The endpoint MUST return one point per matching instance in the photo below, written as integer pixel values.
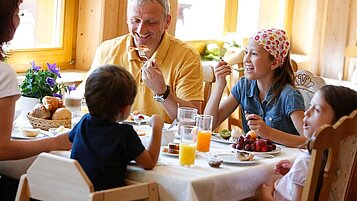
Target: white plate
(17, 135)
(168, 154)
(232, 159)
(20, 136)
(146, 119)
(276, 151)
(217, 138)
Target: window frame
(64, 56)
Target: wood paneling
(90, 31)
(100, 20)
(321, 30)
(335, 38)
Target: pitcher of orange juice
(187, 145)
(204, 127)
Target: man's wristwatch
(162, 97)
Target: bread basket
(45, 124)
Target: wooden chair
(335, 176)
(308, 84)
(56, 178)
(208, 80)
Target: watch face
(159, 98)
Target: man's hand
(153, 78)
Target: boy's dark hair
(343, 100)
(108, 89)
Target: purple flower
(53, 69)
(34, 67)
(50, 81)
(72, 87)
(57, 95)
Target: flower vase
(27, 104)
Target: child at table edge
(326, 108)
(272, 106)
(102, 146)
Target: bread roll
(39, 111)
(62, 114)
(30, 132)
(174, 146)
(244, 156)
(52, 103)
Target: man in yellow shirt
(170, 73)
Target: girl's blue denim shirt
(275, 113)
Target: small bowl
(214, 161)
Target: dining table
(233, 180)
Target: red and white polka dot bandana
(275, 41)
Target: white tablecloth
(201, 182)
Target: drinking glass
(204, 127)
(73, 103)
(187, 145)
(84, 107)
(186, 116)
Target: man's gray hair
(164, 3)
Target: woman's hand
(221, 71)
(282, 167)
(62, 142)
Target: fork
(143, 55)
(174, 123)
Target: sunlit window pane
(254, 15)
(200, 19)
(40, 25)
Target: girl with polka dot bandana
(270, 104)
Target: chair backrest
(208, 80)
(308, 84)
(56, 178)
(294, 65)
(333, 176)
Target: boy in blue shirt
(102, 146)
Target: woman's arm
(19, 149)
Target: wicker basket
(45, 124)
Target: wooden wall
(322, 29)
(100, 20)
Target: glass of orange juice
(204, 127)
(187, 145)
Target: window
(200, 19)
(256, 15)
(213, 19)
(39, 25)
(45, 34)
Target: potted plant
(39, 83)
